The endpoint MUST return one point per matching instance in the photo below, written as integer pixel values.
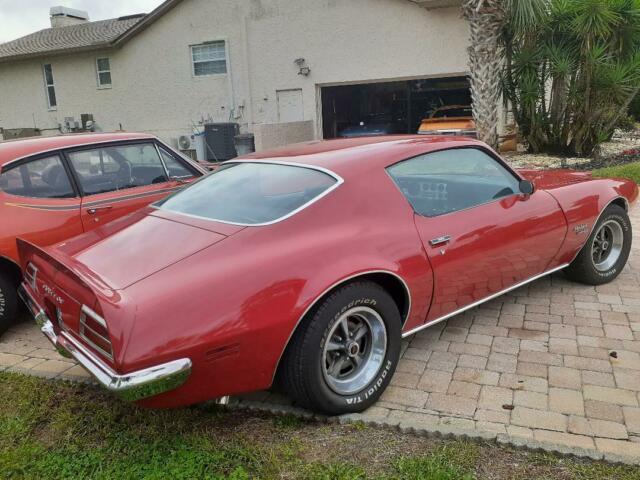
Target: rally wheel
(606, 252)
(343, 354)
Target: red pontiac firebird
(305, 266)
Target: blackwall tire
(8, 303)
(345, 351)
(606, 252)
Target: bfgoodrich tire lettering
(8, 303)
(606, 252)
(345, 351)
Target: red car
(305, 267)
(53, 188)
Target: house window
(103, 68)
(52, 102)
(209, 58)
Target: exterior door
(40, 204)
(481, 235)
(122, 178)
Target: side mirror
(526, 187)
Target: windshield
(251, 193)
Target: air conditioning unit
(219, 141)
(185, 142)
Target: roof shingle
(82, 36)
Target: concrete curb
(441, 432)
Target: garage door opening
(388, 108)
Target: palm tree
(486, 22)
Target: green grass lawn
(630, 171)
(62, 431)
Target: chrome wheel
(607, 245)
(354, 350)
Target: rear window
(251, 193)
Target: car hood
(123, 256)
(547, 179)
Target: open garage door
(389, 107)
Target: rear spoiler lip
(63, 263)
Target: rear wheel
(606, 252)
(8, 303)
(342, 356)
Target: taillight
(93, 329)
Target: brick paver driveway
(555, 362)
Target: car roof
(24, 147)
(350, 156)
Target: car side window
(117, 167)
(452, 180)
(174, 166)
(41, 178)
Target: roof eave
(58, 52)
(146, 21)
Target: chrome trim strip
(132, 386)
(338, 178)
(593, 227)
(480, 302)
(344, 280)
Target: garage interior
(396, 107)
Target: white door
(290, 106)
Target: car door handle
(440, 240)
(94, 210)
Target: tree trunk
(486, 20)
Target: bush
(572, 68)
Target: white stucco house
(285, 70)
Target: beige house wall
(154, 90)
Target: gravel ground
(610, 154)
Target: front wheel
(342, 356)
(606, 252)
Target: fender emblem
(582, 228)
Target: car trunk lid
(144, 247)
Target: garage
(388, 107)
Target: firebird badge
(582, 228)
(53, 294)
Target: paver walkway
(553, 362)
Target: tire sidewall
(382, 303)
(618, 215)
(8, 304)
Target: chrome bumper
(130, 387)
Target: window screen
(209, 58)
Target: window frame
(76, 194)
(50, 107)
(487, 152)
(338, 182)
(103, 86)
(203, 44)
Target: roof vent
(65, 16)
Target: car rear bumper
(132, 386)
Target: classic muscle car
(450, 120)
(52, 188)
(305, 267)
